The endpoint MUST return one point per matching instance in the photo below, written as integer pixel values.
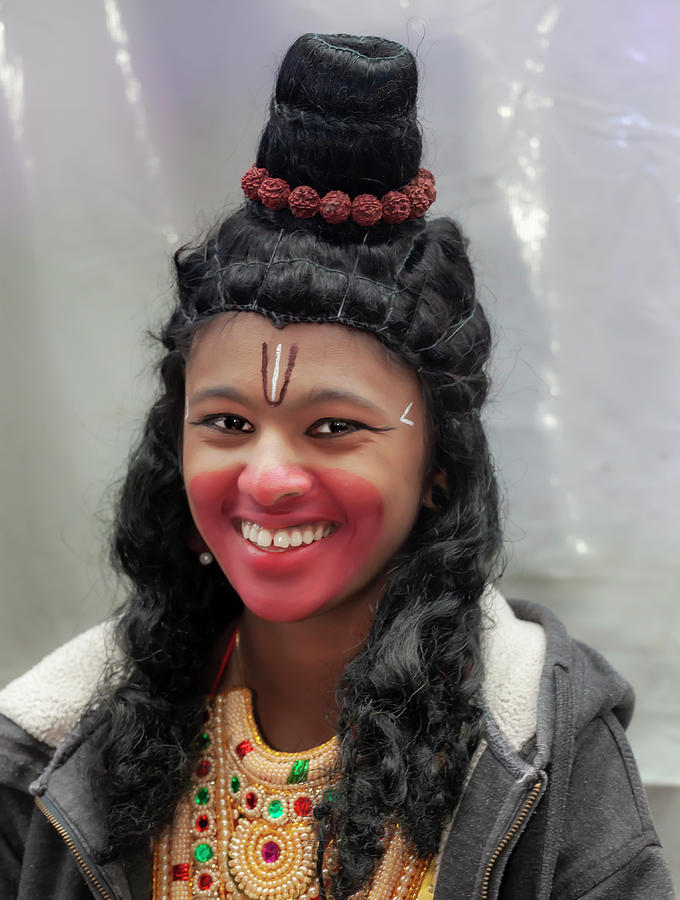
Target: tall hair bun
(343, 116)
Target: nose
(269, 484)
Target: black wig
(343, 117)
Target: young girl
(314, 689)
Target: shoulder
(47, 701)
(526, 651)
(608, 831)
(593, 820)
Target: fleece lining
(47, 701)
(513, 651)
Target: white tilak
(405, 413)
(186, 408)
(275, 373)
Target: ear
(440, 481)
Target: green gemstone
(203, 852)
(203, 740)
(275, 809)
(202, 796)
(235, 784)
(298, 772)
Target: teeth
(283, 538)
(264, 538)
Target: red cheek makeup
(288, 559)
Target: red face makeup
(289, 559)
(303, 476)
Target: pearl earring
(206, 558)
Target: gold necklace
(245, 831)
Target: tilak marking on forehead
(270, 393)
(405, 413)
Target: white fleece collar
(47, 701)
(513, 651)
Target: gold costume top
(245, 830)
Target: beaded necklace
(245, 830)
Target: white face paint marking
(405, 413)
(186, 409)
(275, 373)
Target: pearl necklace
(246, 829)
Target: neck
(293, 669)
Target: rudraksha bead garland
(246, 831)
(336, 207)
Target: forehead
(231, 345)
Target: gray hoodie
(552, 808)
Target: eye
(226, 422)
(330, 427)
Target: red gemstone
(251, 799)
(271, 852)
(303, 806)
(202, 823)
(203, 768)
(244, 748)
(204, 881)
(180, 872)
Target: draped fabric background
(554, 131)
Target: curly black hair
(343, 117)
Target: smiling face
(303, 458)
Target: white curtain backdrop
(553, 129)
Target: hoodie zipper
(70, 843)
(510, 833)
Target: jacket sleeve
(609, 849)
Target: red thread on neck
(223, 664)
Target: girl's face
(304, 457)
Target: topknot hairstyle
(343, 117)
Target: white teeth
(283, 538)
(264, 538)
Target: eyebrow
(315, 396)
